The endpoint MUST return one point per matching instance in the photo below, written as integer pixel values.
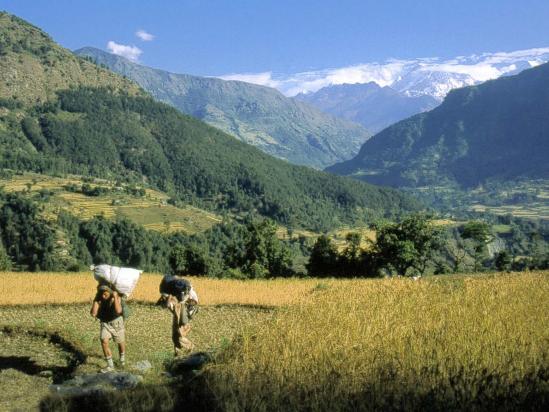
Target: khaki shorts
(113, 330)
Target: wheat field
(461, 342)
(23, 288)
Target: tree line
(250, 247)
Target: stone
(192, 362)
(142, 366)
(97, 382)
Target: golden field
(461, 342)
(18, 288)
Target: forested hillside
(498, 131)
(258, 115)
(117, 132)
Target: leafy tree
(97, 233)
(351, 260)
(480, 233)
(189, 260)
(30, 241)
(5, 261)
(502, 261)
(323, 261)
(409, 244)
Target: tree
(5, 261)
(29, 240)
(408, 244)
(189, 260)
(502, 261)
(97, 233)
(324, 258)
(479, 232)
(350, 261)
(257, 251)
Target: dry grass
(65, 288)
(461, 342)
(449, 342)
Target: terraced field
(150, 211)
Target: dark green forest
(105, 133)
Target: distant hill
(498, 130)
(372, 106)
(97, 123)
(258, 115)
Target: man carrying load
(107, 307)
(179, 297)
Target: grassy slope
(496, 130)
(33, 67)
(108, 133)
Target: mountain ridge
(472, 136)
(258, 115)
(369, 104)
(106, 126)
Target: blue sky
(215, 37)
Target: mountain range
(62, 114)
(258, 115)
(377, 95)
(369, 104)
(497, 130)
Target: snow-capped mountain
(433, 77)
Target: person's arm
(94, 308)
(117, 303)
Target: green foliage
(29, 240)
(480, 233)
(108, 134)
(323, 261)
(5, 261)
(260, 253)
(409, 244)
(502, 261)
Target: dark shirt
(107, 311)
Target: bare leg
(106, 349)
(121, 348)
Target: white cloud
(129, 52)
(143, 35)
(262, 79)
(410, 76)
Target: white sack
(193, 295)
(123, 280)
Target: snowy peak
(433, 77)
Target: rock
(192, 362)
(46, 374)
(97, 382)
(142, 366)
